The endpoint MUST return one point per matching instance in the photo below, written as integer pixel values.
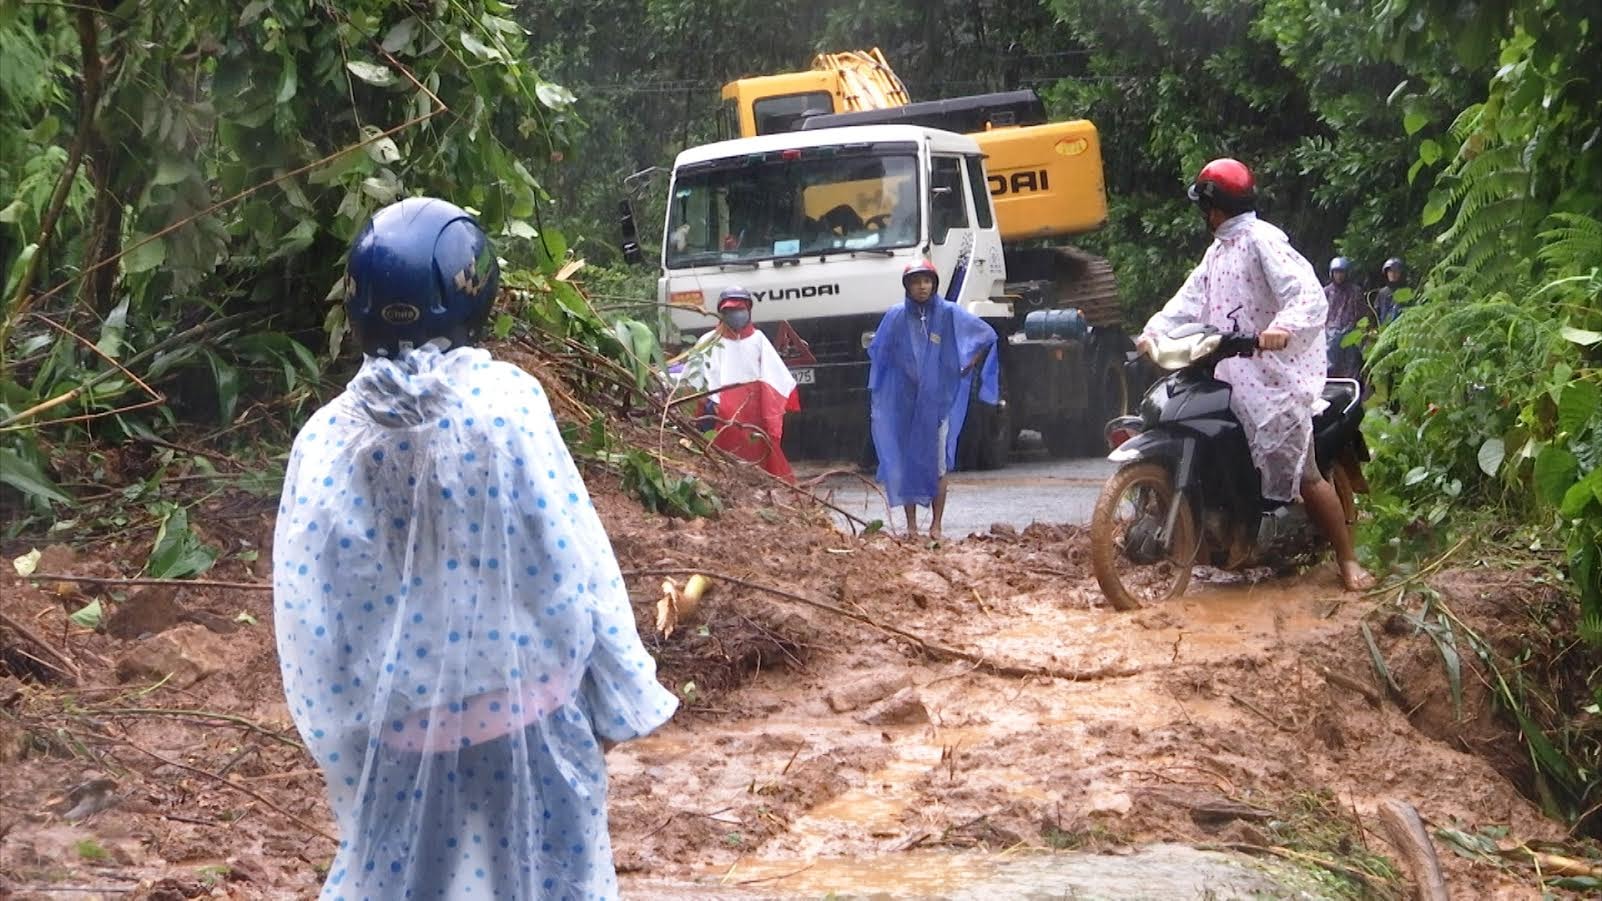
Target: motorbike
(1186, 492)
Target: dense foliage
(196, 169)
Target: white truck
(819, 224)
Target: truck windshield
(785, 205)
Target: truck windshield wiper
(833, 251)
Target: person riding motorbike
(1346, 309)
(1252, 280)
(1385, 303)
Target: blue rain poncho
(918, 384)
(455, 636)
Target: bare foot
(934, 534)
(1355, 577)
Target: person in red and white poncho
(754, 387)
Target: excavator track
(1079, 280)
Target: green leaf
(1581, 494)
(374, 74)
(1429, 152)
(1492, 452)
(14, 274)
(1413, 120)
(1415, 475)
(171, 171)
(144, 256)
(298, 239)
(288, 83)
(336, 325)
(28, 563)
(503, 326)
(1377, 660)
(178, 552)
(252, 11)
(1555, 469)
(1583, 337)
(480, 49)
(1577, 405)
(226, 378)
(110, 342)
(89, 616)
(400, 35)
(25, 476)
(1434, 209)
(1414, 170)
(245, 618)
(554, 95)
(13, 212)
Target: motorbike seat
(1344, 399)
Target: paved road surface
(1033, 489)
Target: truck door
(950, 226)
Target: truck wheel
(1112, 392)
(987, 432)
(993, 443)
(1062, 438)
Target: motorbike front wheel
(1133, 506)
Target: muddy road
(1211, 747)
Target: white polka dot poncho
(455, 636)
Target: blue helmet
(734, 294)
(1340, 264)
(419, 270)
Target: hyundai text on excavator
(832, 180)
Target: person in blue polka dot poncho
(456, 641)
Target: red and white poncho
(754, 391)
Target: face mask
(737, 319)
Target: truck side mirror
(631, 234)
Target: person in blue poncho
(455, 639)
(921, 366)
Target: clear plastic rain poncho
(455, 636)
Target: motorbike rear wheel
(1137, 493)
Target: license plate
(805, 376)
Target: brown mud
(814, 754)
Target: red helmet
(1226, 184)
(921, 267)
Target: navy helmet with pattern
(420, 270)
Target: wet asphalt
(1032, 488)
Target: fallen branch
(1552, 864)
(199, 716)
(67, 668)
(131, 583)
(1406, 831)
(1349, 683)
(1262, 713)
(224, 781)
(933, 650)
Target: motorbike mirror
(631, 234)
